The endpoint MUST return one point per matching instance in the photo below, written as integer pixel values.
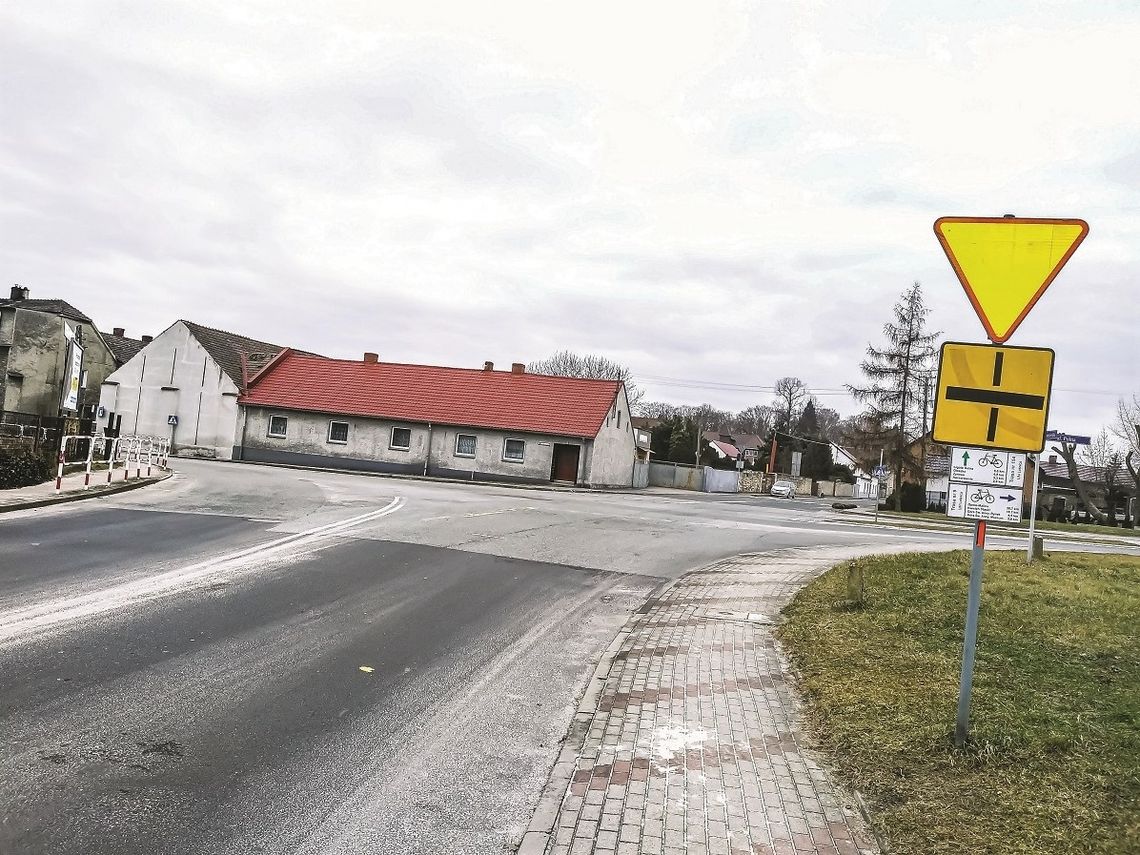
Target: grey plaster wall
(614, 451)
(369, 446)
(32, 344)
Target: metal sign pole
(1033, 507)
(965, 685)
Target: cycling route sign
(978, 502)
(983, 466)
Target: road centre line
(479, 514)
(21, 622)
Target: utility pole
(697, 441)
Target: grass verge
(1054, 762)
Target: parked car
(783, 490)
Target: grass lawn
(1054, 762)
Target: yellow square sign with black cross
(993, 396)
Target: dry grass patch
(1054, 762)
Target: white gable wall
(613, 452)
(174, 375)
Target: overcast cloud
(720, 193)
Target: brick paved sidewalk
(695, 745)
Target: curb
(93, 493)
(538, 833)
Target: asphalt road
(250, 659)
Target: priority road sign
(1006, 263)
(982, 466)
(978, 502)
(993, 396)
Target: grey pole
(1033, 506)
(965, 685)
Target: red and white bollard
(59, 468)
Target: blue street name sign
(1061, 436)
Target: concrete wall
(368, 447)
(614, 450)
(173, 375)
(680, 476)
(838, 489)
(33, 344)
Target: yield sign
(1006, 263)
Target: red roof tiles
(531, 403)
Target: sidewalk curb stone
(92, 493)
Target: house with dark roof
(477, 424)
(35, 336)
(184, 384)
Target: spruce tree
(896, 374)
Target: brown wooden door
(565, 466)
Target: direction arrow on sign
(1006, 263)
(993, 396)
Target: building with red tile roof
(478, 424)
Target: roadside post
(992, 400)
(973, 604)
(1033, 509)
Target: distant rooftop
(20, 300)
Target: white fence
(138, 452)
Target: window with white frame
(514, 450)
(278, 425)
(401, 439)
(465, 445)
(338, 432)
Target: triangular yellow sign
(1006, 263)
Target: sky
(716, 194)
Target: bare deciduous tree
(755, 420)
(566, 363)
(1126, 428)
(791, 398)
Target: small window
(513, 450)
(465, 445)
(338, 432)
(401, 439)
(278, 426)
(619, 419)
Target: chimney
(147, 339)
(121, 332)
(518, 368)
(488, 366)
(19, 293)
(371, 358)
(1052, 458)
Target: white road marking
(16, 624)
(478, 514)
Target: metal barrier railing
(126, 449)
